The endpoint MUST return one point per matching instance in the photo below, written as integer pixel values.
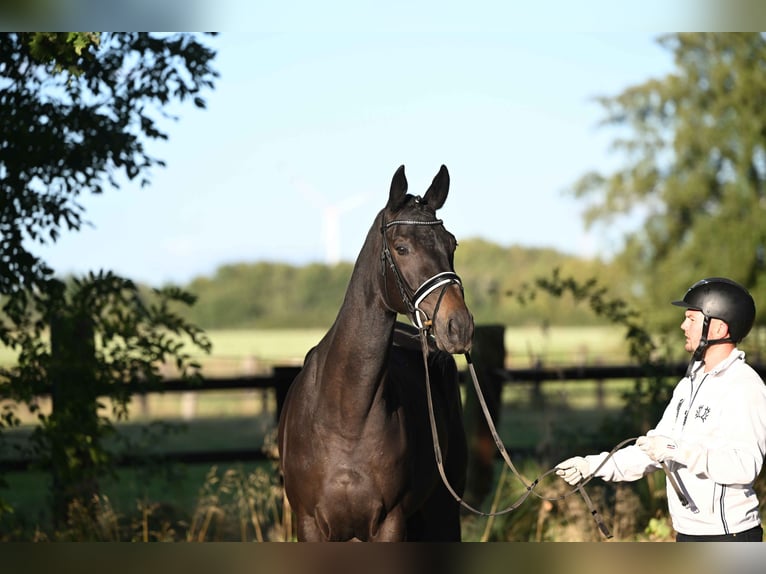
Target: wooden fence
(488, 358)
(492, 381)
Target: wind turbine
(331, 215)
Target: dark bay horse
(354, 438)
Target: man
(711, 439)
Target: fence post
(600, 395)
(73, 430)
(488, 356)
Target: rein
(530, 486)
(413, 300)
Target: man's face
(692, 328)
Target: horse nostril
(457, 330)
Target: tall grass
(234, 504)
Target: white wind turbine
(331, 215)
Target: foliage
(134, 338)
(491, 273)
(270, 295)
(64, 134)
(616, 310)
(65, 50)
(643, 406)
(694, 178)
(76, 111)
(560, 514)
(267, 295)
(646, 401)
(239, 506)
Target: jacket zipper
(723, 509)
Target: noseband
(411, 298)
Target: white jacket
(718, 421)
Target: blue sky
(302, 119)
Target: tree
(695, 175)
(76, 111)
(73, 123)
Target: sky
(294, 155)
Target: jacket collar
(735, 355)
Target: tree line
(273, 294)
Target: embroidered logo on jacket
(702, 413)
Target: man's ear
(720, 329)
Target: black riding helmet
(724, 299)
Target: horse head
(418, 258)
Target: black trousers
(752, 535)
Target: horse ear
(398, 189)
(437, 193)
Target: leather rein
(529, 486)
(413, 299)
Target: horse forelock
(415, 205)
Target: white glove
(573, 470)
(657, 447)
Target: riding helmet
(724, 299)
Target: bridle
(529, 486)
(412, 300)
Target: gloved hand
(657, 447)
(573, 470)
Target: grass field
(248, 350)
(244, 349)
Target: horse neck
(358, 344)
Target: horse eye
(402, 249)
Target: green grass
(528, 346)
(252, 348)
(524, 346)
